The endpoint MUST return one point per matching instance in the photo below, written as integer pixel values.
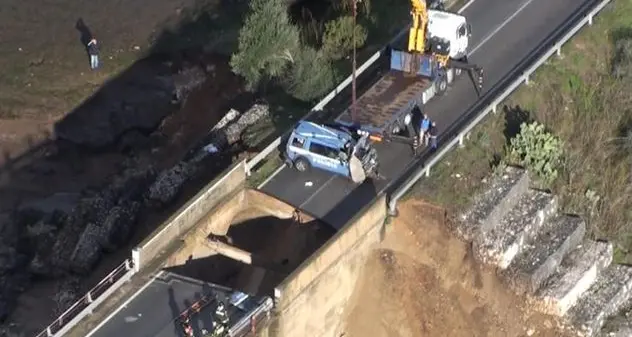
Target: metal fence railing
(252, 163)
(86, 304)
(459, 130)
(455, 135)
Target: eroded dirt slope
(423, 282)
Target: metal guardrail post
(492, 107)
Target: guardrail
(252, 163)
(455, 136)
(245, 325)
(318, 107)
(85, 305)
(458, 132)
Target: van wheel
(301, 164)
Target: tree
(538, 150)
(310, 76)
(338, 38)
(267, 42)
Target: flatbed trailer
(386, 107)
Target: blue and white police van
(336, 150)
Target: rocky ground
(119, 164)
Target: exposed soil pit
(250, 242)
(423, 281)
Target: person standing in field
(93, 51)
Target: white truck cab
(451, 28)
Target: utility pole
(353, 70)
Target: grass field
(579, 101)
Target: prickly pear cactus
(538, 150)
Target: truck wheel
(441, 85)
(301, 164)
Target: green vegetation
(538, 150)
(583, 100)
(267, 42)
(339, 37)
(270, 49)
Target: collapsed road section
(502, 35)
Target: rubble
(169, 182)
(610, 293)
(501, 243)
(578, 271)
(225, 134)
(66, 294)
(490, 207)
(542, 257)
(619, 326)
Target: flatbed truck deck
(385, 108)
(385, 100)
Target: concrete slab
(619, 326)
(502, 243)
(490, 207)
(542, 257)
(605, 298)
(577, 273)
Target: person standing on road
(433, 134)
(93, 51)
(423, 130)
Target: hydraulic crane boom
(417, 33)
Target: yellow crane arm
(417, 34)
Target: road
(152, 311)
(504, 33)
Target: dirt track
(423, 282)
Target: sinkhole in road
(251, 242)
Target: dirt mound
(423, 282)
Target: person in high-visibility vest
(220, 321)
(221, 314)
(186, 326)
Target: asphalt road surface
(152, 312)
(504, 32)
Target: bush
(267, 42)
(622, 60)
(538, 150)
(338, 38)
(310, 76)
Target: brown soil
(422, 281)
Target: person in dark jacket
(93, 50)
(433, 134)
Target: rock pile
(543, 254)
(223, 136)
(50, 239)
